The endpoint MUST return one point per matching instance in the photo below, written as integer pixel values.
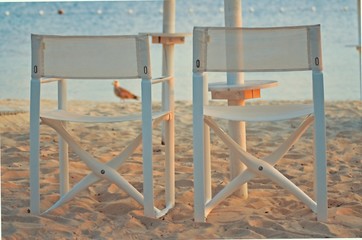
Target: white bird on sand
(122, 93)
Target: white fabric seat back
(219, 49)
(90, 57)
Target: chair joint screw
(103, 172)
(260, 168)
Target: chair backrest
(90, 57)
(222, 49)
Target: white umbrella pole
(169, 12)
(233, 18)
(169, 16)
(169, 7)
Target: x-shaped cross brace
(257, 166)
(100, 170)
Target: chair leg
(147, 151)
(207, 164)
(320, 166)
(199, 173)
(170, 162)
(63, 146)
(34, 147)
(199, 149)
(320, 184)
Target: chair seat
(259, 113)
(75, 117)
(247, 85)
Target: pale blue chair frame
(62, 58)
(203, 115)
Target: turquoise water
(18, 20)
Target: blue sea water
(19, 19)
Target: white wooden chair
(57, 58)
(219, 49)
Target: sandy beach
(104, 211)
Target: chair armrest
(49, 80)
(161, 79)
